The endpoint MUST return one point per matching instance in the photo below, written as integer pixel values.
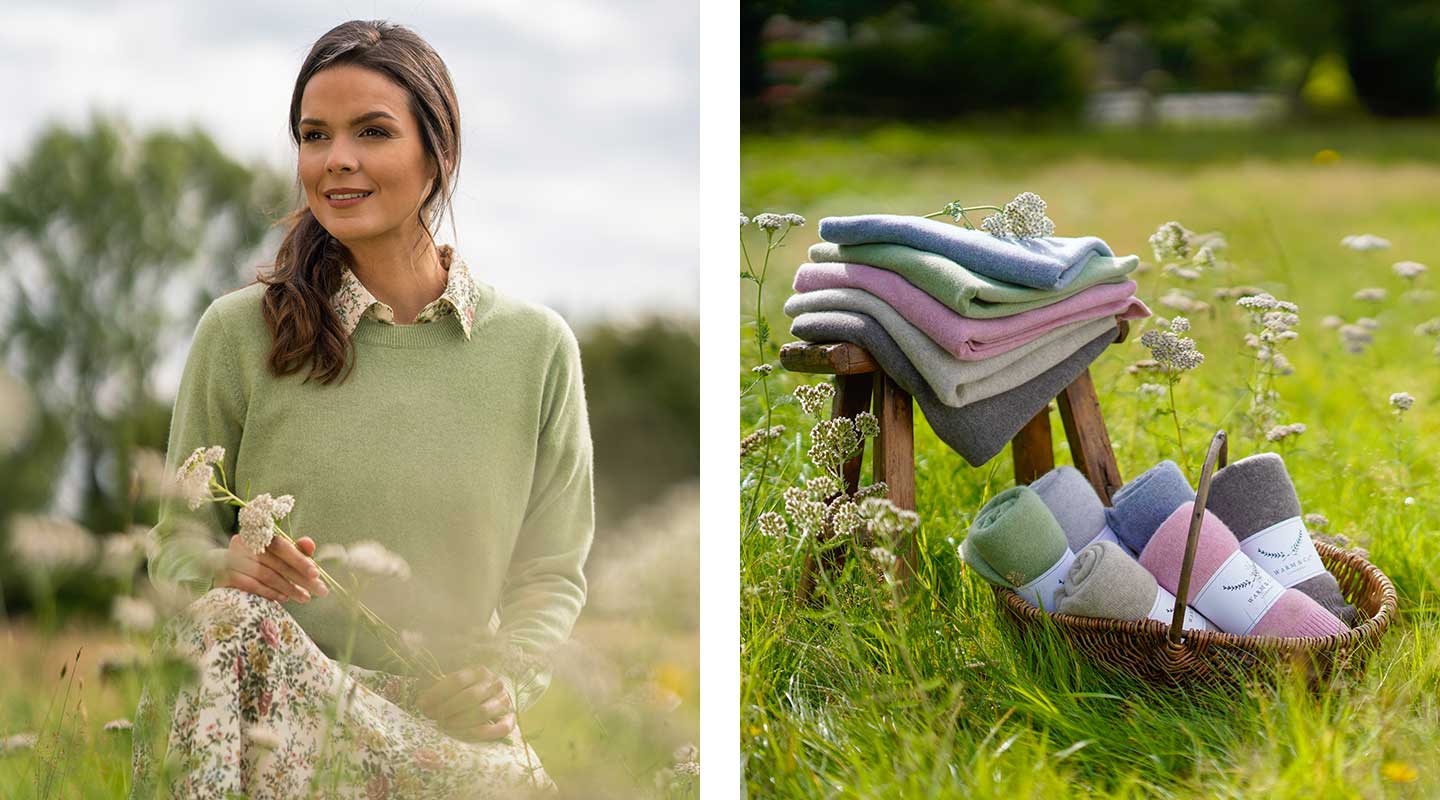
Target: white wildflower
(744, 220)
(1152, 391)
(1364, 242)
(773, 525)
(883, 557)
(1317, 522)
(370, 558)
(118, 725)
(17, 742)
(1409, 270)
(48, 544)
(132, 613)
(1022, 218)
(1280, 433)
(1332, 321)
(1205, 257)
(1171, 242)
(1409, 501)
(1174, 352)
(814, 397)
(1430, 327)
(1185, 273)
(685, 752)
(769, 222)
(1368, 323)
(121, 553)
(258, 518)
(1371, 295)
(1401, 402)
(763, 369)
(1355, 338)
(795, 220)
(194, 476)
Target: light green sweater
(470, 458)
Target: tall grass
(936, 696)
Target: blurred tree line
(127, 239)
(949, 58)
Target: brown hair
(309, 262)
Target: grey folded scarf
(1073, 501)
(978, 431)
(1050, 262)
(1141, 505)
(955, 382)
(1256, 493)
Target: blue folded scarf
(1052, 262)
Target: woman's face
(357, 133)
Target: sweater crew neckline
(442, 331)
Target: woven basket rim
(1150, 630)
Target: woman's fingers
(300, 563)
(248, 584)
(435, 700)
(289, 573)
(477, 706)
(484, 733)
(268, 577)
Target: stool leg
(1031, 449)
(1089, 440)
(852, 395)
(894, 463)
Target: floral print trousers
(271, 716)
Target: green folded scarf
(970, 294)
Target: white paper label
(1164, 610)
(1107, 535)
(1285, 551)
(1237, 595)
(1041, 591)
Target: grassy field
(624, 698)
(934, 696)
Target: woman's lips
(347, 203)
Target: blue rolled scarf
(1138, 507)
(1050, 262)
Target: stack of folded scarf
(983, 331)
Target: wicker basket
(1167, 654)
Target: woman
(456, 436)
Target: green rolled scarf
(968, 293)
(1015, 541)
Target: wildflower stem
(1174, 414)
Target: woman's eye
(305, 137)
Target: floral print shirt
(352, 301)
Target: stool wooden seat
(860, 383)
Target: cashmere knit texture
(1255, 493)
(970, 293)
(965, 338)
(1051, 262)
(1139, 506)
(978, 431)
(1106, 583)
(1073, 501)
(955, 382)
(1014, 539)
(1294, 614)
(470, 459)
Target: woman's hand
(283, 572)
(470, 704)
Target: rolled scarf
(1106, 582)
(1080, 512)
(978, 431)
(965, 338)
(1051, 262)
(970, 293)
(1016, 542)
(1139, 506)
(1227, 586)
(956, 383)
(1256, 499)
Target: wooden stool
(860, 383)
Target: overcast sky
(580, 161)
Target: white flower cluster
(1152, 391)
(1233, 292)
(1401, 402)
(814, 397)
(1175, 353)
(258, 518)
(1355, 337)
(1430, 327)
(194, 476)
(132, 613)
(1364, 242)
(886, 520)
(367, 558)
(773, 525)
(49, 544)
(757, 439)
(1280, 433)
(1317, 522)
(1181, 300)
(1371, 295)
(1170, 242)
(771, 222)
(1409, 270)
(832, 441)
(1022, 218)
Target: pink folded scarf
(966, 338)
(1226, 586)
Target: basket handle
(1216, 458)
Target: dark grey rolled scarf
(1254, 494)
(978, 431)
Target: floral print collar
(352, 301)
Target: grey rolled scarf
(955, 382)
(1105, 582)
(1073, 501)
(1255, 493)
(978, 431)
(1141, 505)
